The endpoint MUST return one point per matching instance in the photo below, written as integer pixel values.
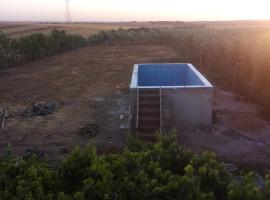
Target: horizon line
(131, 21)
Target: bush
(36, 45)
(163, 170)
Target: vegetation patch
(35, 46)
(163, 170)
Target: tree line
(235, 59)
(162, 170)
(35, 46)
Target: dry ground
(86, 84)
(240, 134)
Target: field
(18, 29)
(91, 84)
(86, 84)
(84, 29)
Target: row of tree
(35, 46)
(163, 170)
(237, 59)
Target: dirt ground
(91, 85)
(240, 134)
(86, 85)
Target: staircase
(148, 113)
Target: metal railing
(137, 120)
(160, 107)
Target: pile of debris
(39, 109)
(89, 129)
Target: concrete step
(150, 94)
(148, 129)
(149, 102)
(149, 121)
(148, 91)
(149, 105)
(143, 106)
(151, 137)
(149, 112)
(147, 118)
(149, 98)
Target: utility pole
(68, 18)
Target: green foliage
(36, 45)
(143, 35)
(31, 179)
(247, 189)
(163, 170)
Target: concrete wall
(187, 108)
(133, 109)
(187, 95)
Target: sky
(134, 10)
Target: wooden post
(137, 122)
(252, 83)
(4, 119)
(208, 70)
(201, 58)
(235, 76)
(160, 109)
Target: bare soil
(240, 135)
(86, 85)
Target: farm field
(86, 85)
(90, 85)
(15, 29)
(134, 100)
(19, 29)
(88, 88)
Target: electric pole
(68, 18)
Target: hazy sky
(140, 10)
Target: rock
(39, 109)
(19, 139)
(64, 150)
(90, 129)
(33, 152)
(124, 126)
(122, 116)
(214, 117)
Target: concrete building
(171, 95)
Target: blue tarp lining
(167, 75)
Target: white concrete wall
(183, 106)
(187, 108)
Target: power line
(68, 17)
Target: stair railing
(160, 107)
(137, 121)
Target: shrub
(163, 170)
(36, 45)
